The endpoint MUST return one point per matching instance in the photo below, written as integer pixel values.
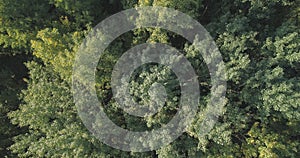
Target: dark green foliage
(12, 72)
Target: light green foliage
(56, 49)
(20, 21)
(55, 129)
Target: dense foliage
(259, 41)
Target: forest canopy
(259, 43)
